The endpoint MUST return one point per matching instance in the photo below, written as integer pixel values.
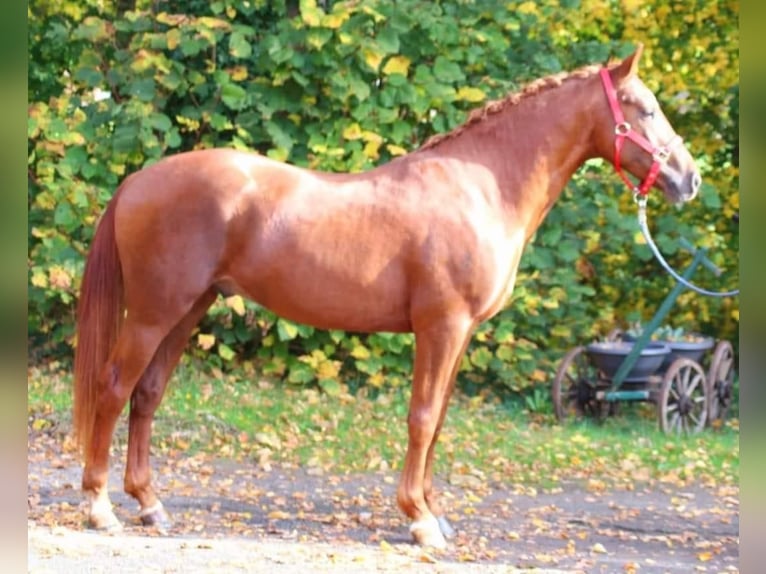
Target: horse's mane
(495, 106)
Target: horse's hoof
(104, 522)
(446, 528)
(426, 532)
(155, 515)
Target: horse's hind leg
(144, 402)
(132, 353)
(437, 351)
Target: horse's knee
(422, 424)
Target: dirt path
(233, 517)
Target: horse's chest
(496, 280)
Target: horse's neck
(532, 148)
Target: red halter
(622, 130)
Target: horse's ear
(628, 67)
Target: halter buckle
(622, 129)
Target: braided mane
(493, 107)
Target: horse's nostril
(696, 181)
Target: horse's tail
(99, 314)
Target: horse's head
(639, 138)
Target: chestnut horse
(428, 243)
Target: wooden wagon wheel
(721, 380)
(574, 388)
(683, 398)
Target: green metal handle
(685, 244)
(648, 331)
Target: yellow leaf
(236, 304)
(397, 65)
(470, 94)
(377, 380)
(539, 375)
(173, 38)
(205, 341)
(238, 73)
(279, 515)
(352, 132)
(598, 548)
(527, 8)
(371, 150)
(578, 439)
(385, 546)
(39, 279)
(704, 556)
(360, 352)
(396, 150)
(334, 21)
(369, 136)
(59, 277)
(328, 370)
(373, 59)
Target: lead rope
(641, 201)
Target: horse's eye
(647, 114)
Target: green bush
(348, 85)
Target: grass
(490, 440)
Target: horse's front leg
(430, 493)
(143, 404)
(437, 353)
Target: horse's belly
(328, 303)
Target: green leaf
(91, 77)
(447, 71)
(159, 122)
(279, 136)
(64, 215)
(225, 352)
(370, 366)
(388, 40)
(172, 138)
(709, 196)
(300, 373)
(91, 29)
(234, 96)
(337, 336)
(569, 250)
(481, 358)
(286, 330)
(331, 387)
(125, 138)
(239, 47)
(142, 89)
(191, 46)
(561, 331)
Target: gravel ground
(235, 517)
